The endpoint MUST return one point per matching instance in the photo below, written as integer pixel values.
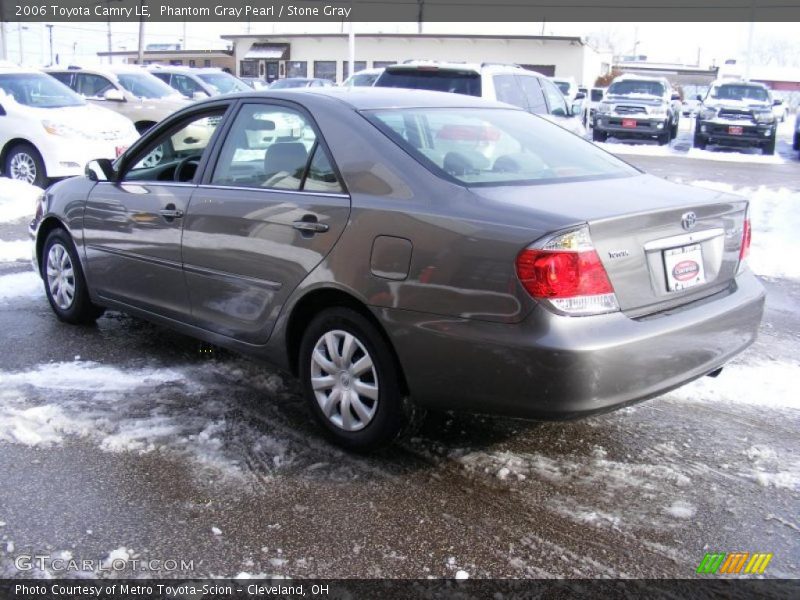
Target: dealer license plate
(735, 130)
(684, 267)
(631, 123)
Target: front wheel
(599, 136)
(24, 163)
(663, 139)
(673, 131)
(351, 380)
(64, 282)
(769, 147)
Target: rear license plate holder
(684, 267)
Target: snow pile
(15, 250)
(17, 286)
(775, 218)
(741, 155)
(765, 384)
(17, 200)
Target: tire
(700, 142)
(64, 282)
(142, 127)
(673, 131)
(599, 136)
(796, 144)
(664, 138)
(24, 163)
(323, 357)
(769, 147)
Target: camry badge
(688, 220)
(618, 253)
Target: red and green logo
(734, 563)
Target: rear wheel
(599, 136)
(24, 163)
(351, 381)
(64, 282)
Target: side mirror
(199, 95)
(675, 96)
(100, 169)
(777, 102)
(114, 96)
(699, 98)
(580, 95)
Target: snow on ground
(18, 286)
(740, 155)
(17, 200)
(775, 217)
(15, 250)
(138, 410)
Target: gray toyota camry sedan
(401, 249)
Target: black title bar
(399, 10)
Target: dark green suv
(736, 113)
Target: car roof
(719, 82)
(183, 70)
(459, 66)
(370, 98)
(637, 77)
(104, 69)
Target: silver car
(399, 250)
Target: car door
(133, 226)
(558, 112)
(264, 217)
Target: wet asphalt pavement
(125, 440)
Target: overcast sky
(663, 42)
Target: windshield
(363, 79)
(563, 86)
(739, 92)
(597, 95)
(480, 146)
(434, 79)
(38, 90)
(144, 85)
(632, 87)
(224, 82)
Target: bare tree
(776, 51)
(609, 39)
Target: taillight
(566, 272)
(747, 234)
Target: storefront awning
(273, 51)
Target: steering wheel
(181, 166)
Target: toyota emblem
(688, 220)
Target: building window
(207, 62)
(382, 64)
(360, 66)
(176, 62)
(248, 68)
(191, 62)
(325, 69)
(296, 68)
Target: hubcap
(60, 276)
(23, 167)
(344, 380)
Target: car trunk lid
(676, 245)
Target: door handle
(310, 226)
(170, 212)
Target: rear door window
(433, 79)
(533, 94)
(92, 86)
(555, 99)
(508, 90)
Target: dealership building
(326, 55)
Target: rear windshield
(284, 84)
(39, 90)
(484, 146)
(435, 80)
(631, 87)
(224, 82)
(739, 92)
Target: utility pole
(21, 48)
(50, 32)
(4, 45)
(110, 45)
(185, 38)
(352, 48)
(141, 35)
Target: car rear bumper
(646, 127)
(556, 367)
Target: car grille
(631, 110)
(735, 115)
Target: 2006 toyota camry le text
(406, 249)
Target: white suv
(505, 83)
(47, 131)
